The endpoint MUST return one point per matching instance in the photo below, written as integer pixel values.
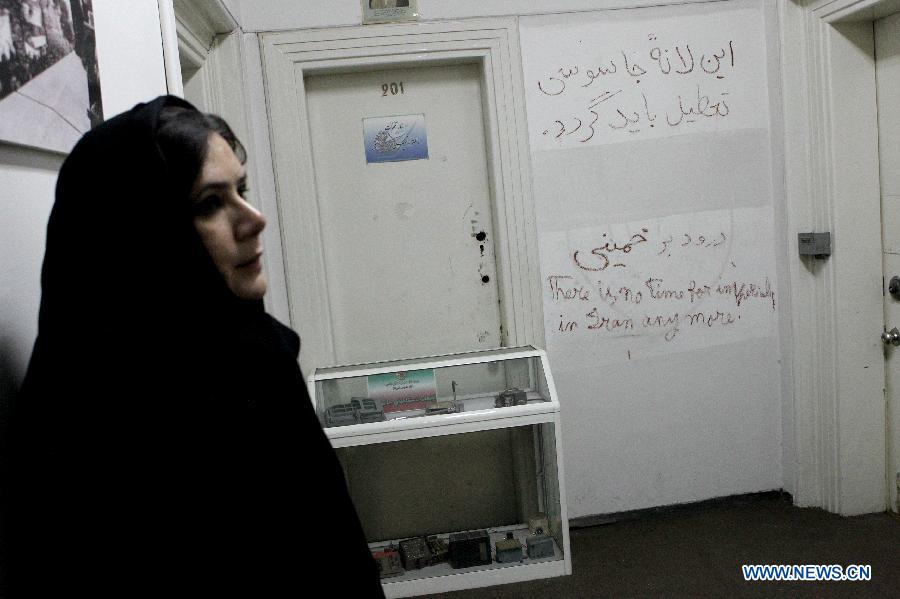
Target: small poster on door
(403, 391)
(395, 138)
(386, 11)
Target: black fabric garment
(163, 442)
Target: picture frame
(389, 11)
(49, 76)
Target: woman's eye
(243, 190)
(207, 206)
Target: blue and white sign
(395, 138)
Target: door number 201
(393, 88)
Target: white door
(887, 74)
(407, 243)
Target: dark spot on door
(481, 236)
(485, 279)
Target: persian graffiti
(603, 84)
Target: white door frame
(491, 43)
(189, 29)
(832, 184)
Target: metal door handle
(891, 337)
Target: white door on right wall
(887, 74)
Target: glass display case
(454, 464)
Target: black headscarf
(163, 441)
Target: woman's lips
(252, 262)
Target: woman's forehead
(221, 165)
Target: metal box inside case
(469, 549)
(539, 524)
(340, 415)
(415, 553)
(511, 397)
(438, 549)
(509, 550)
(366, 410)
(539, 546)
(388, 560)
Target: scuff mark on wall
(402, 210)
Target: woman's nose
(251, 221)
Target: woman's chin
(252, 289)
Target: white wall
(721, 469)
(234, 7)
(27, 178)
(129, 54)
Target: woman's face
(229, 227)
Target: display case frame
(540, 421)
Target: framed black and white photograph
(387, 11)
(49, 79)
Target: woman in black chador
(163, 442)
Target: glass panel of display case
(385, 391)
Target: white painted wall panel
(675, 413)
(858, 306)
(129, 53)
(28, 178)
(887, 76)
(233, 7)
